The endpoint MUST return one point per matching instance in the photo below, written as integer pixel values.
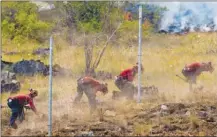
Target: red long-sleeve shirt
(127, 74)
(193, 66)
(25, 100)
(96, 85)
(91, 81)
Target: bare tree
(88, 49)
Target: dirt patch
(180, 119)
(174, 119)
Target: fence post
(139, 54)
(50, 89)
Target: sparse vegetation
(163, 57)
(161, 64)
(142, 130)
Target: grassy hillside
(163, 56)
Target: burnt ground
(170, 119)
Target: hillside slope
(163, 57)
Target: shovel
(182, 78)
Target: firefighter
(193, 70)
(17, 104)
(124, 82)
(89, 86)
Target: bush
(20, 22)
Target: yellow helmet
(33, 92)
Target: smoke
(188, 16)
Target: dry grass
(163, 58)
(142, 130)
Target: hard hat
(33, 92)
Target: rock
(110, 113)
(30, 67)
(203, 114)
(86, 133)
(9, 82)
(164, 108)
(163, 31)
(188, 113)
(106, 132)
(212, 108)
(90, 133)
(210, 119)
(6, 64)
(12, 87)
(8, 76)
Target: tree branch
(97, 61)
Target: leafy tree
(153, 13)
(150, 12)
(89, 17)
(20, 22)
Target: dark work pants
(127, 88)
(16, 109)
(191, 78)
(190, 75)
(90, 93)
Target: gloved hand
(27, 107)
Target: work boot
(115, 95)
(14, 126)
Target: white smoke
(192, 15)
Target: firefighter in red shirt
(17, 104)
(193, 70)
(89, 86)
(124, 82)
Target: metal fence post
(139, 54)
(50, 89)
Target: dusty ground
(183, 113)
(154, 116)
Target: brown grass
(163, 57)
